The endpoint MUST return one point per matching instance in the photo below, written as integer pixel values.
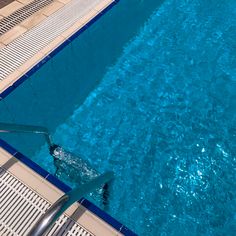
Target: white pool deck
(25, 196)
(29, 42)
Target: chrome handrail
(46, 221)
(18, 128)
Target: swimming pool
(162, 117)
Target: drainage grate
(23, 48)
(66, 226)
(21, 207)
(20, 15)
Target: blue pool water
(163, 118)
(47, 98)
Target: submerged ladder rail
(68, 199)
(47, 220)
(18, 128)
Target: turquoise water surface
(162, 116)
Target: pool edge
(36, 67)
(65, 188)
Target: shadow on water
(62, 84)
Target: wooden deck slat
(4, 3)
(10, 8)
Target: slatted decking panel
(20, 15)
(21, 207)
(33, 41)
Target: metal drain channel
(21, 207)
(20, 15)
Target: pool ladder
(63, 203)
(58, 208)
(17, 128)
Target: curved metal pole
(57, 209)
(17, 128)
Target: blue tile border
(32, 165)
(107, 218)
(9, 90)
(65, 188)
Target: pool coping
(67, 41)
(65, 188)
